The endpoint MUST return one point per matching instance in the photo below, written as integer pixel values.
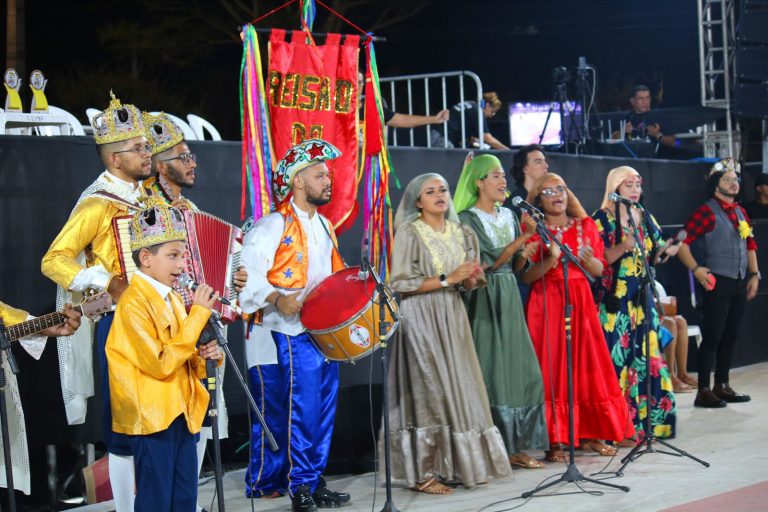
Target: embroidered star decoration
(288, 240)
(315, 151)
(288, 273)
(299, 256)
(290, 158)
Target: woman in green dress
(442, 429)
(510, 368)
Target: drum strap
(333, 241)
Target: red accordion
(212, 256)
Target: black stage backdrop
(41, 178)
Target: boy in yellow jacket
(155, 367)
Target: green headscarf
(466, 191)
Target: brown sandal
(691, 381)
(432, 486)
(555, 455)
(629, 442)
(599, 447)
(523, 460)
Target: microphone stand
(217, 328)
(572, 473)
(5, 347)
(651, 300)
(385, 297)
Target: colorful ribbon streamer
(255, 131)
(376, 168)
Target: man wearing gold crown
(84, 256)
(729, 275)
(173, 164)
(34, 346)
(173, 169)
(286, 253)
(155, 367)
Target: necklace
(559, 230)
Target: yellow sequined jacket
(89, 227)
(11, 316)
(154, 369)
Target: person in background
(758, 209)
(528, 165)
(489, 105)
(641, 121)
(676, 349)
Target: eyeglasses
(139, 148)
(731, 180)
(185, 158)
(554, 191)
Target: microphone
(534, 212)
(186, 281)
(521, 203)
(679, 237)
(362, 274)
(616, 198)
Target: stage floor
(733, 440)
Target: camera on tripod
(561, 76)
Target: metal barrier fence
(420, 89)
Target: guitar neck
(35, 325)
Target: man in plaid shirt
(729, 275)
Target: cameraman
(641, 122)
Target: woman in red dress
(599, 409)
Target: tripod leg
(683, 453)
(607, 484)
(537, 490)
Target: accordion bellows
(212, 255)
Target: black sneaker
(301, 500)
(325, 498)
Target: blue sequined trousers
(297, 398)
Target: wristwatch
(444, 281)
(756, 274)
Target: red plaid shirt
(703, 221)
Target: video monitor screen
(526, 121)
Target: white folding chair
(74, 124)
(200, 126)
(189, 133)
(695, 331)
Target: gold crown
(725, 165)
(157, 223)
(162, 132)
(117, 123)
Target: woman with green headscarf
(508, 361)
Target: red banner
(312, 94)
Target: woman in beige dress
(442, 430)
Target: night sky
(184, 57)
